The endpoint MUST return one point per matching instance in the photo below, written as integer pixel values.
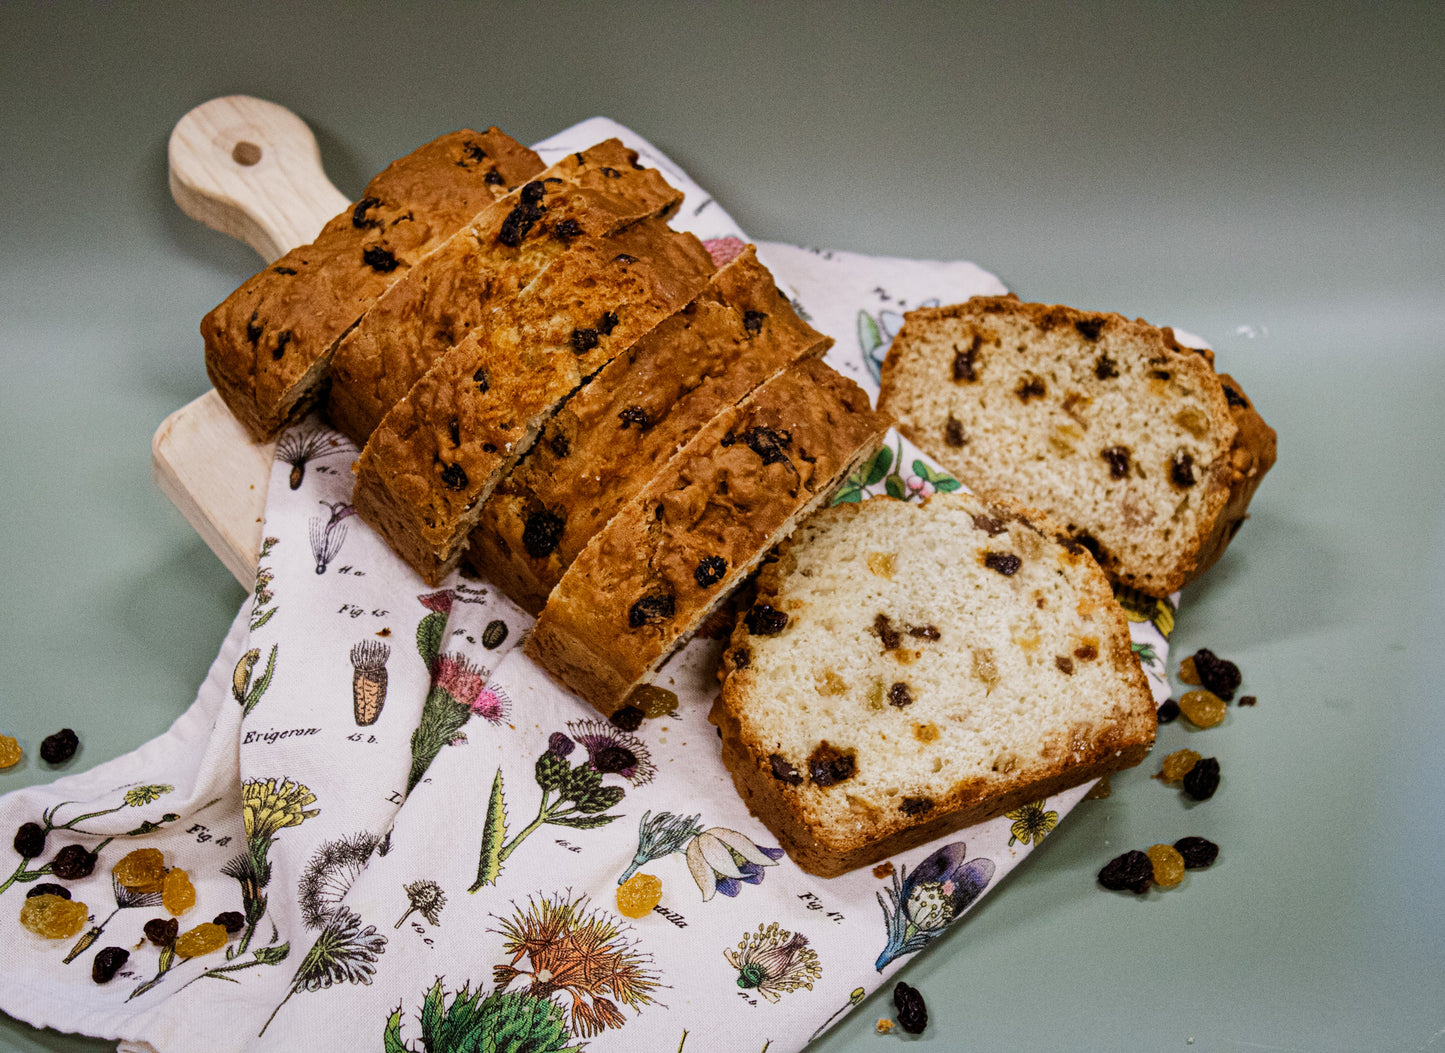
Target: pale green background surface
(1270, 177)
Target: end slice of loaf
(908, 670)
(646, 582)
(1130, 441)
(268, 345)
(596, 192)
(611, 437)
(432, 463)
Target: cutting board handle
(252, 169)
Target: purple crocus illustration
(922, 904)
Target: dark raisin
(628, 718)
(1089, 328)
(1091, 544)
(73, 862)
(609, 172)
(783, 771)
(1065, 664)
(542, 533)
(742, 658)
(30, 840)
(1181, 470)
(989, 525)
(899, 695)
(380, 259)
(533, 192)
(454, 431)
(559, 445)
(709, 571)
(232, 921)
(828, 765)
(924, 632)
(768, 444)
(48, 888)
(883, 627)
(1030, 387)
(916, 805)
(493, 178)
(650, 610)
(488, 447)
(162, 931)
(455, 477)
(965, 362)
(494, 634)
(583, 340)
(253, 328)
(953, 432)
(60, 747)
(359, 218)
(1133, 871)
(482, 380)
(566, 229)
(1247, 700)
(763, 620)
(1168, 711)
(1086, 652)
(607, 323)
(1198, 852)
(282, 339)
(1118, 460)
(518, 222)
(1105, 368)
(624, 257)
(474, 153)
(610, 760)
(1233, 397)
(753, 322)
(1216, 674)
(1006, 563)
(635, 415)
(912, 1013)
(283, 270)
(107, 963)
(1203, 779)
(1159, 374)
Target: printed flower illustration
(1139, 607)
(581, 953)
(774, 961)
(660, 836)
(875, 336)
(1031, 824)
(49, 823)
(924, 902)
(329, 875)
(612, 751)
(142, 795)
(510, 1022)
(919, 487)
(343, 953)
(427, 898)
(885, 467)
(267, 808)
(722, 860)
(492, 705)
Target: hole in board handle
(246, 153)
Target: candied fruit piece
(203, 939)
(142, 871)
(178, 895)
(628, 718)
(882, 564)
(1132, 870)
(107, 963)
(1202, 708)
(10, 752)
(1177, 765)
(1203, 779)
(1197, 852)
(638, 895)
(60, 747)
(1168, 865)
(54, 917)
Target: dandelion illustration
(612, 751)
(1031, 824)
(343, 953)
(923, 903)
(247, 694)
(581, 953)
(142, 795)
(329, 875)
(661, 836)
(368, 680)
(298, 446)
(507, 1022)
(723, 860)
(774, 961)
(427, 898)
(328, 535)
(266, 809)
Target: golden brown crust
(637, 591)
(614, 434)
(269, 343)
(596, 192)
(438, 453)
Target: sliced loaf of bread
(910, 669)
(1127, 439)
(647, 580)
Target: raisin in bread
(268, 345)
(907, 670)
(645, 583)
(611, 437)
(435, 458)
(589, 194)
(1127, 439)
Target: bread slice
(910, 669)
(435, 458)
(269, 343)
(645, 583)
(1127, 439)
(611, 437)
(596, 192)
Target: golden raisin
(141, 871)
(54, 917)
(654, 701)
(1187, 673)
(829, 683)
(10, 752)
(881, 564)
(1202, 708)
(638, 895)
(203, 939)
(178, 894)
(1168, 865)
(1177, 765)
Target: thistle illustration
(923, 903)
(299, 446)
(774, 961)
(511, 1022)
(368, 680)
(327, 535)
(426, 897)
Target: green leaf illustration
(876, 467)
(580, 782)
(494, 833)
(263, 619)
(273, 954)
(551, 771)
(868, 335)
(584, 822)
(433, 1013)
(850, 492)
(430, 634)
(254, 695)
(947, 484)
(391, 1038)
(600, 798)
(895, 488)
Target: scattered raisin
(783, 771)
(628, 718)
(1089, 328)
(1233, 397)
(107, 963)
(162, 931)
(494, 634)
(964, 364)
(1216, 674)
(610, 760)
(1105, 368)
(1006, 563)
(1133, 871)
(253, 328)
(742, 658)
(178, 894)
(1118, 459)
(60, 747)
(883, 627)
(493, 178)
(768, 444)
(1247, 700)
(1178, 764)
(953, 432)
(924, 632)
(566, 229)
(709, 571)
(1030, 387)
(1086, 652)
(1169, 711)
(49, 888)
(650, 610)
(1202, 708)
(584, 340)
(916, 805)
(73, 862)
(1065, 664)
(472, 152)
(53, 917)
(638, 895)
(899, 695)
(828, 765)
(1159, 374)
(283, 270)
(989, 525)
(1198, 852)
(542, 533)
(232, 921)
(30, 840)
(912, 1013)
(1181, 470)
(635, 415)
(1168, 865)
(454, 476)
(142, 870)
(610, 172)
(203, 939)
(1203, 779)
(379, 259)
(533, 192)
(282, 341)
(359, 218)
(763, 620)
(519, 221)
(753, 322)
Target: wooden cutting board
(251, 169)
